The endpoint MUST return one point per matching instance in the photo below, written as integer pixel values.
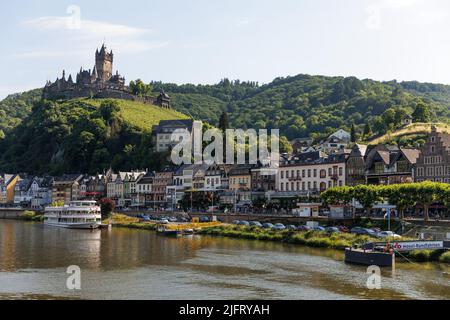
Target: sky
(204, 41)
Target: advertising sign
(417, 245)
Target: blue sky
(202, 41)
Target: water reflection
(122, 263)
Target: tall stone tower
(104, 64)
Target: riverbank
(317, 239)
(123, 221)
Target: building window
(282, 186)
(379, 167)
(402, 166)
(323, 174)
(282, 174)
(341, 171)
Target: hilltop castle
(98, 83)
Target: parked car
(235, 222)
(332, 230)
(173, 219)
(267, 225)
(343, 229)
(319, 228)
(164, 221)
(146, 218)
(204, 219)
(278, 226)
(291, 227)
(256, 224)
(303, 228)
(363, 231)
(388, 234)
(244, 223)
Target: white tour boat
(75, 215)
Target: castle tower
(104, 64)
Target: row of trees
(403, 196)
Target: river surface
(133, 264)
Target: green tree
(426, 193)
(422, 113)
(139, 88)
(285, 145)
(402, 196)
(107, 206)
(108, 109)
(353, 134)
(338, 196)
(367, 130)
(367, 196)
(223, 122)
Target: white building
(337, 141)
(162, 133)
(312, 175)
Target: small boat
(162, 229)
(75, 215)
(370, 257)
(188, 231)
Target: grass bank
(33, 216)
(123, 221)
(317, 239)
(309, 238)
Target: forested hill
(84, 135)
(299, 106)
(306, 105)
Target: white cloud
(86, 27)
(80, 37)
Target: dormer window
(433, 139)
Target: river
(134, 264)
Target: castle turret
(94, 74)
(104, 64)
